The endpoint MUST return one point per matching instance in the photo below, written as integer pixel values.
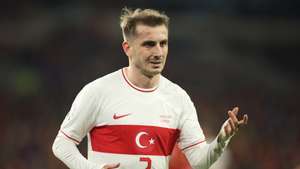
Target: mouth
(155, 62)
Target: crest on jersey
(143, 140)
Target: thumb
(223, 136)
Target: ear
(126, 48)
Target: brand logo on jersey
(120, 116)
(144, 142)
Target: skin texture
(147, 53)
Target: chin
(153, 72)
(156, 71)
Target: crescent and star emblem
(137, 140)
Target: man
(133, 117)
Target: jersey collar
(136, 87)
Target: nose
(158, 50)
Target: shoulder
(102, 84)
(105, 81)
(176, 96)
(170, 86)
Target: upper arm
(191, 132)
(81, 117)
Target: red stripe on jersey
(193, 145)
(77, 142)
(134, 139)
(136, 88)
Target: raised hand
(232, 125)
(111, 166)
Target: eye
(163, 43)
(149, 44)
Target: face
(148, 49)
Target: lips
(155, 62)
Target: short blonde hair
(129, 19)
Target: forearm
(68, 153)
(202, 156)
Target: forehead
(156, 33)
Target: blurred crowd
(241, 53)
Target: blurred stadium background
(224, 53)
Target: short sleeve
(81, 117)
(191, 133)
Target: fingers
(235, 110)
(244, 121)
(111, 166)
(233, 122)
(233, 116)
(232, 125)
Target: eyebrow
(152, 41)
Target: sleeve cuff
(219, 146)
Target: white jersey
(132, 126)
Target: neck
(141, 80)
